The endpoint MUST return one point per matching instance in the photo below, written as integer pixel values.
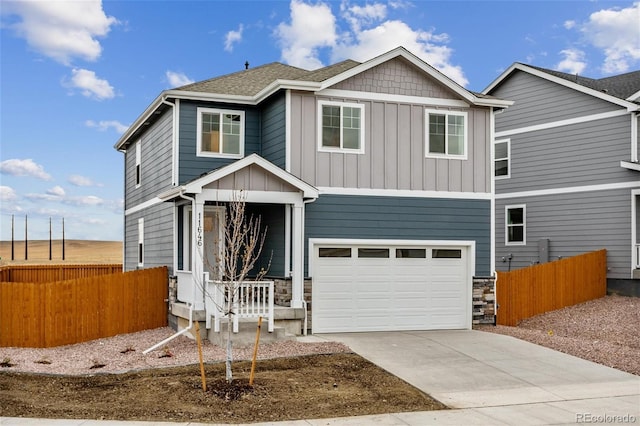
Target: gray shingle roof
(251, 81)
(621, 86)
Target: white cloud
(56, 191)
(569, 24)
(573, 62)
(104, 125)
(617, 33)
(367, 35)
(90, 85)
(312, 27)
(78, 180)
(61, 30)
(7, 193)
(26, 167)
(232, 38)
(88, 200)
(177, 79)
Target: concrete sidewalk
(486, 378)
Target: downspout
(304, 302)
(184, 330)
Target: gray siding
(190, 165)
(335, 216)
(158, 237)
(575, 223)
(156, 162)
(394, 155)
(574, 155)
(540, 101)
(273, 130)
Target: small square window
(220, 133)
(340, 127)
(334, 252)
(411, 253)
(380, 253)
(446, 134)
(446, 254)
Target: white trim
(631, 166)
(561, 81)
(391, 242)
(272, 197)
(560, 123)
(635, 205)
(569, 190)
(634, 137)
(492, 223)
(373, 192)
(287, 131)
(145, 205)
(508, 158)
(386, 97)
(321, 148)
(220, 112)
(197, 185)
(524, 225)
(176, 142)
(465, 142)
(635, 97)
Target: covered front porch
(268, 192)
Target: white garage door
(390, 287)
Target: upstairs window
(502, 156)
(515, 229)
(341, 127)
(220, 133)
(446, 134)
(138, 165)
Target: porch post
(297, 279)
(197, 260)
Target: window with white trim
(138, 164)
(515, 225)
(341, 127)
(446, 134)
(502, 158)
(141, 242)
(220, 133)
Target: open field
(76, 251)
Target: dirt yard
(306, 387)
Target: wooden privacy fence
(49, 273)
(58, 313)
(526, 292)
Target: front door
(213, 236)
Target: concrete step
(246, 335)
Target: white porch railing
(189, 291)
(252, 299)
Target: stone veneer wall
(282, 296)
(484, 296)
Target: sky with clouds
(75, 74)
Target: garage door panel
(380, 294)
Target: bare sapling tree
(243, 243)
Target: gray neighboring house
(374, 180)
(567, 172)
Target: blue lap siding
(405, 218)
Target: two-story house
(374, 180)
(567, 171)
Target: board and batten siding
(190, 165)
(402, 218)
(538, 101)
(273, 128)
(394, 150)
(158, 237)
(573, 155)
(574, 223)
(156, 162)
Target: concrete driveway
(498, 379)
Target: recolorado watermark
(605, 418)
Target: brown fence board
(81, 309)
(527, 292)
(50, 273)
